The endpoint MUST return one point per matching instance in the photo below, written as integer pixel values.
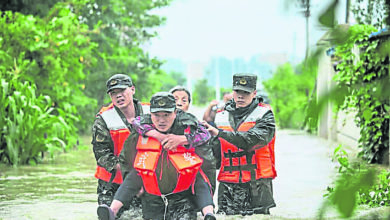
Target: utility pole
(305, 5)
(307, 15)
(347, 11)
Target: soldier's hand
(213, 103)
(212, 130)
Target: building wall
(339, 127)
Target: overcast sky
(197, 30)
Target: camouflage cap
(181, 88)
(162, 102)
(244, 81)
(119, 81)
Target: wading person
(110, 130)
(168, 171)
(183, 100)
(245, 140)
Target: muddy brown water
(65, 188)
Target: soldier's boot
(209, 216)
(104, 212)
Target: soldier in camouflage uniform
(244, 146)
(183, 100)
(110, 130)
(174, 129)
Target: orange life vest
(185, 161)
(119, 133)
(239, 166)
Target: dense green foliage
(38, 8)
(365, 74)
(46, 53)
(30, 128)
(120, 28)
(358, 184)
(59, 60)
(363, 87)
(289, 91)
(171, 80)
(203, 93)
(373, 12)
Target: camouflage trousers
(178, 206)
(236, 199)
(106, 192)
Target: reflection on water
(63, 189)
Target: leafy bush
(29, 127)
(366, 76)
(289, 92)
(379, 194)
(40, 59)
(357, 184)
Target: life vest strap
(248, 167)
(239, 154)
(254, 193)
(231, 154)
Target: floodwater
(63, 189)
(66, 188)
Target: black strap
(113, 174)
(109, 184)
(255, 196)
(231, 154)
(254, 192)
(249, 166)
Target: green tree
(41, 60)
(171, 80)
(38, 8)
(115, 32)
(202, 92)
(289, 93)
(120, 28)
(374, 12)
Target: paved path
(304, 171)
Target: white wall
(339, 127)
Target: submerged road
(66, 188)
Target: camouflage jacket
(261, 134)
(103, 146)
(199, 136)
